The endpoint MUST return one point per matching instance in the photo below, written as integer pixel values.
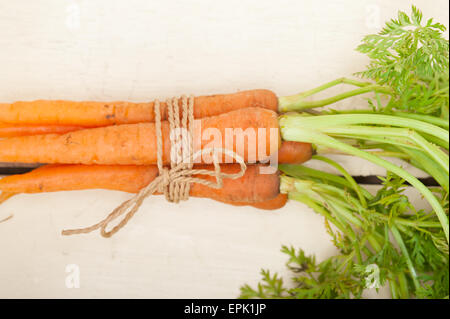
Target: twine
(174, 183)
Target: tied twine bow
(174, 183)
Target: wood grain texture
(139, 50)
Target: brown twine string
(175, 182)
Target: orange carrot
(14, 130)
(253, 187)
(289, 153)
(294, 152)
(271, 204)
(136, 143)
(106, 113)
(22, 181)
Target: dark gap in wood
(14, 170)
(368, 180)
(17, 168)
(374, 180)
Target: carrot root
(15, 130)
(271, 204)
(253, 187)
(90, 113)
(294, 152)
(135, 144)
(289, 153)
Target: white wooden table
(138, 50)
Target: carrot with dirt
(135, 144)
(288, 153)
(294, 152)
(407, 118)
(58, 117)
(252, 188)
(270, 204)
(44, 112)
(15, 130)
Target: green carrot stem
(298, 103)
(421, 117)
(327, 121)
(390, 154)
(300, 171)
(394, 289)
(346, 175)
(404, 250)
(295, 131)
(286, 102)
(423, 162)
(307, 201)
(408, 134)
(403, 286)
(407, 222)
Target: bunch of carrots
(86, 145)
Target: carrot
(289, 152)
(270, 204)
(294, 152)
(22, 183)
(279, 201)
(136, 143)
(253, 187)
(107, 113)
(14, 130)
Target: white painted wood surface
(139, 50)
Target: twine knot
(174, 183)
